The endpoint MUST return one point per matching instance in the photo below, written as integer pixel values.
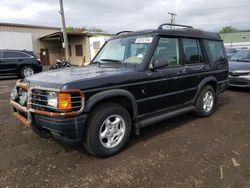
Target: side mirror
(158, 63)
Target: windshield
(127, 50)
(241, 56)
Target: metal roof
(27, 25)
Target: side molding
(109, 94)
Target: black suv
(19, 62)
(137, 79)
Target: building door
(44, 56)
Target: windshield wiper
(111, 60)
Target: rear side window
(15, 55)
(215, 49)
(1, 54)
(192, 51)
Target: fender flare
(96, 98)
(203, 83)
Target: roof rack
(161, 26)
(121, 32)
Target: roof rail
(121, 32)
(161, 26)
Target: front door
(44, 56)
(168, 91)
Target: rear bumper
(65, 129)
(238, 82)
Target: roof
(27, 25)
(236, 37)
(183, 32)
(60, 34)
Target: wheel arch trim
(204, 82)
(93, 100)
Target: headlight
(23, 97)
(52, 99)
(61, 101)
(14, 94)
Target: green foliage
(228, 29)
(69, 29)
(82, 29)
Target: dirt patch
(182, 152)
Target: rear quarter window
(216, 53)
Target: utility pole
(172, 19)
(65, 38)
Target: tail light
(38, 61)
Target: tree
(82, 29)
(228, 29)
(70, 29)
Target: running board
(151, 120)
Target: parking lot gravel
(182, 152)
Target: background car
(19, 62)
(231, 51)
(239, 69)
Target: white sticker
(144, 40)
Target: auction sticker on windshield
(144, 40)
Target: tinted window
(216, 51)
(14, 55)
(168, 50)
(1, 54)
(192, 51)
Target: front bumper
(238, 81)
(65, 129)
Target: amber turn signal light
(64, 101)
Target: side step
(155, 119)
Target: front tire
(108, 131)
(205, 103)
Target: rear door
(195, 66)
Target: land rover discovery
(137, 79)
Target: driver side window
(168, 50)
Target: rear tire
(27, 71)
(206, 101)
(108, 131)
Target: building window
(78, 49)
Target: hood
(57, 78)
(236, 65)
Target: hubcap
(208, 101)
(112, 131)
(28, 72)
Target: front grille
(39, 101)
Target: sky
(116, 15)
